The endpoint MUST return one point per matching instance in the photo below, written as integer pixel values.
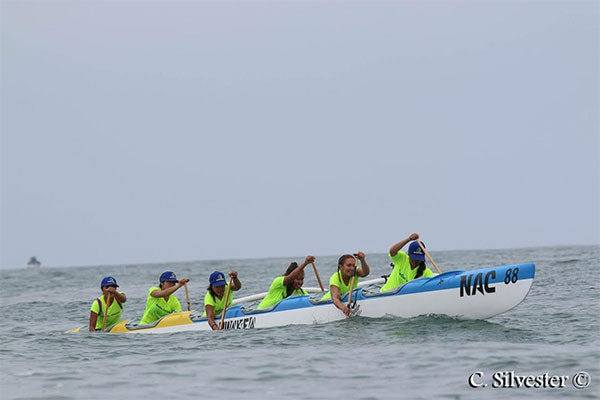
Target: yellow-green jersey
(114, 311)
(402, 272)
(336, 280)
(218, 304)
(157, 307)
(278, 292)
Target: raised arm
(396, 248)
(289, 278)
(170, 290)
(121, 298)
(364, 267)
(236, 284)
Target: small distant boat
(33, 263)
(476, 294)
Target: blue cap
(217, 279)
(168, 276)
(415, 252)
(108, 281)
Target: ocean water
(554, 330)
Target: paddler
(109, 286)
(346, 275)
(407, 266)
(214, 300)
(289, 284)
(161, 301)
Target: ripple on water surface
(554, 330)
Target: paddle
(428, 256)
(187, 297)
(318, 277)
(352, 287)
(222, 324)
(106, 311)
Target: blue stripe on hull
(452, 279)
(444, 281)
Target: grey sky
(167, 131)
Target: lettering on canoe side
(242, 323)
(478, 284)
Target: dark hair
(341, 261)
(289, 288)
(289, 269)
(420, 269)
(344, 258)
(212, 292)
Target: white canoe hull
(477, 294)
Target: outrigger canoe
(476, 294)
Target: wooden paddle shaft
(187, 297)
(352, 286)
(318, 277)
(428, 256)
(222, 324)
(351, 289)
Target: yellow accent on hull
(180, 318)
(119, 327)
